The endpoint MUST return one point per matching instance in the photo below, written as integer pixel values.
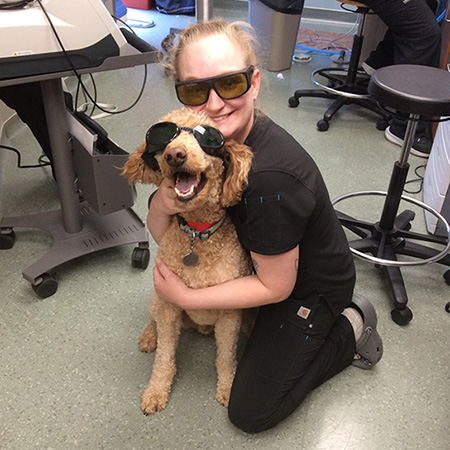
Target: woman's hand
(163, 207)
(273, 282)
(168, 285)
(165, 200)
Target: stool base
(387, 244)
(340, 100)
(344, 90)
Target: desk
(76, 228)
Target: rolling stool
(345, 86)
(421, 93)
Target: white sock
(355, 320)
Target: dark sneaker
(421, 145)
(369, 347)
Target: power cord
(314, 39)
(42, 159)
(87, 104)
(83, 87)
(419, 180)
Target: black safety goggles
(228, 86)
(161, 134)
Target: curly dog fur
(221, 257)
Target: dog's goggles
(161, 134)
(228, 86)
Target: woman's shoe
(369, 346)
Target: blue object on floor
(121, 9)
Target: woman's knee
(243, 418)
(251, 418)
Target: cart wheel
(323, 125)
(7, 238)
(293, 102)
(47, 287)
(402, 316)
(140, 257)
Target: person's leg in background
(413, 37)
(26, 100)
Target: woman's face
(213, 56)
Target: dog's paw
(146, 346)
(223, 395)
(152, 401)
(147, 339)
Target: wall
(324, 4)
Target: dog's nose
(175, 156)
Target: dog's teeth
(184, 194)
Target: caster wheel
(140, 257)
(447, 276)
(7, 239)
(382, 124)
(293, 102)
(47, 287)
(323, 125)
(402, 316)
(447, 307)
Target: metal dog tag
(191, 259)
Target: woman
(303, 270)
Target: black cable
(43, 159)
(94, 104)
(78, 75)
(419, 179)
(19, 159)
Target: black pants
(286, 357)
(26, 100)
(413, 37)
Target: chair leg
(316, 93)
(334, 108)
(372, 106)
(421, 251)
(401, 314)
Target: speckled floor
(71, 373)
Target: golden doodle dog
(200, 245)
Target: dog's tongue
(185, 181)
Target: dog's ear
(138, 172)
(240, 161)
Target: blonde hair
(241, 33)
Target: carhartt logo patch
(303, 312)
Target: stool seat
(412, 89)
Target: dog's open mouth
(188, 185)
